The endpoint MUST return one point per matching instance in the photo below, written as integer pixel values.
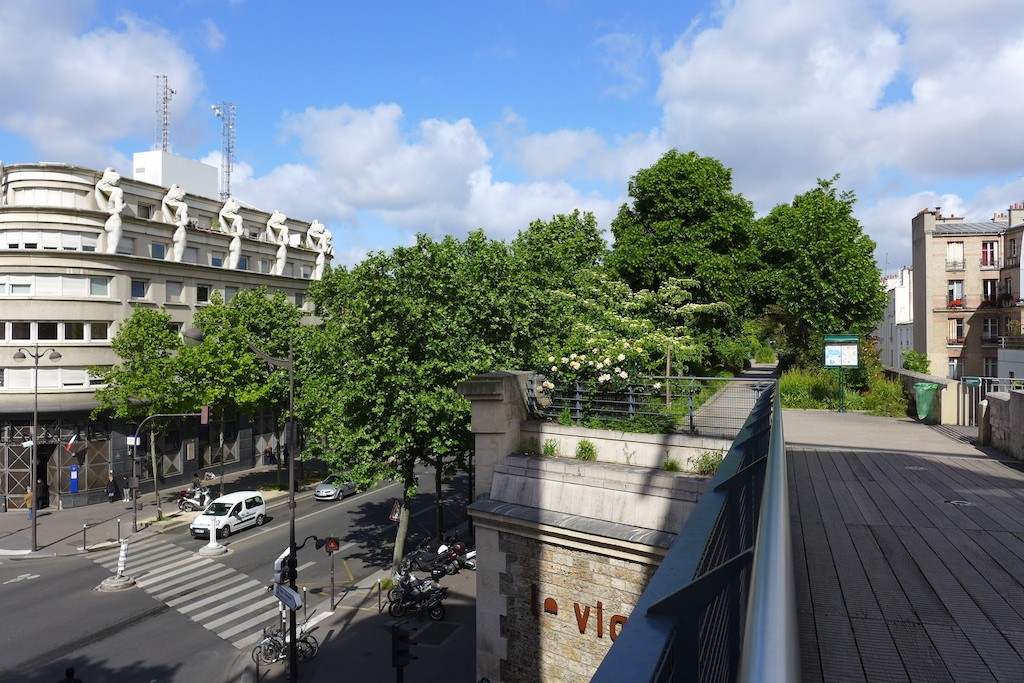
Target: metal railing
(710, 406)
(722, 605)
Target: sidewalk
(60, 532)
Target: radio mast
(226, 112)
(163, 110)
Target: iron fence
(722, 605)
(710, 406)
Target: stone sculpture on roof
(175, 211)
(110, 199)
(231, 224)
(318, 238)
(277, 233)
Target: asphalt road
(156, 632)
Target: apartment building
(79, 250)
(896, 331)
(967, 293)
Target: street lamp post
(20, 356)
(196, 335)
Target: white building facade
(896, 333)
(79, 250)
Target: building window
(956, 368)
(299, 300)
(174, 291)
(139, 289)
(46, 331)
(1008, 287)
(989, 257)
(989, 291)
(191, 255)
(99, 331)
(21, 331)
(243, 263)
(74, 331)
(955, 292)
(203, 294)
(230, 293)
(217, 259)
(989, 330)
(145, 211)
(956, 331)
(264, 265)
(21, 288)
(954, 256)
(126, 246)
(990, 366)
(99, 286)
(158, 250)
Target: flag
(71, 441)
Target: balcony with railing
(958, 303)
(956, 264)
(1012, 262)
(989, 263)
(955, 341)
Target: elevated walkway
(908, 548)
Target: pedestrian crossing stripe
(222, 600)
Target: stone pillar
(498, 408)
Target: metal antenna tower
(163, 109)
(226, 112)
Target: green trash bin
(924, 396)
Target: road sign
(291, 599)
(396, 510)
(972, 381)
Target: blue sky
(386, 119)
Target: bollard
(304, 603)
(83, 536)
(118, 529)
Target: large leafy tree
(819, 274)
(400, 331)
(223, 372)
(686, 222)
(144, 383)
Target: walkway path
(908, 552)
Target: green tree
(686, 222)
(818, 272)
(224, 373)
(144, 383)
(399, 332)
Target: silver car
(334, 487)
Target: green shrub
(672, 465)
(916, 362)
(586, 450)
(707, 462)
(887, 399)
(551, 447)
(529, 446)
(565, 417)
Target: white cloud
(622, 55)
(74, 93)
(213, 37)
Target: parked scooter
(459, 555)
(424, 559)
(194, 498)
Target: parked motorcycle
(424, 559)
(194, 498)
(417, 595)
(460, 556)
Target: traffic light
(204, 415)
(401, 643)
(333, 545)
(281, 567)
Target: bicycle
(274, 646)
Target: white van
(230, 513)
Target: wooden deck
(909, 566)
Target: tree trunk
(156, 478)
(403, 527)
(220, 440)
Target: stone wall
(564, 608)
(585, 536)
(1003, 422)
